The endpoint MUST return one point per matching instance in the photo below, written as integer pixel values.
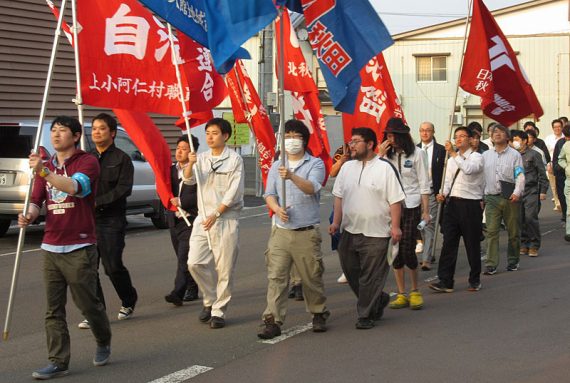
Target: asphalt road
(516, 329)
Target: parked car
(16, 142)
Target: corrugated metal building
(424, 65)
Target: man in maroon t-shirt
(66, 184)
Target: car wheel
(159, 221)
(4, 226)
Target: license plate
(6, 179)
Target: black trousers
(461, 218)
(180, 237)
(364, 263)
(110, 244)
(560, 190)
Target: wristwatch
(44, 172)
(217, 214)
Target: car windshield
(16, 141)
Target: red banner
(126, 60)
(195, 119)
(376, 102)
(64, 25)
(299, 80)
(149, 140)
(491, 71)
(207, 88)
(247, 108)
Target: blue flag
(345, 35)
(220, 25)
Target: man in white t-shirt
(368, 198)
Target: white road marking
(182, 375)
(288, 333)
(25, 251)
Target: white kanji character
(250, 105)
(126, 34)
(484, 74)
(94, 83)
(301, 111)
(160, 52)
(156, 90)
(108, 84)
(291, 68)
(204, 60)
(208, 87)
(482, 85)
(172, 92)
(124, 84)
(374, 69)
(139, 87)
(373, 103)
(304, 70)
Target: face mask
(293, 145)
(516, 145)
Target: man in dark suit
(185, 197)
(530, 125)
(436, 159)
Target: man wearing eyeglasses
(368, 197)
(295, 236)
(220, 200)
(463, 213)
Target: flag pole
(78, 98)
(39, 131)
(281, 92)
(450, 134)
(185, 114)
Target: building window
(431, 68)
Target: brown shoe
(270, 329)
(320, 321)
(523, 251)
(533, 252)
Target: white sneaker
(84, 325)
(419, 247)
(342, 279)
(125, 313)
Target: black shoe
(490, 270)
(217, 322)
(514, 267)
(364, 324)
(174, 299)
(384, 300)
(206, 314)
(299, 293)
(190, 295)
(440, 287)
(270, 329)
(50, 371)
(567, 237)
(320, 321)
(291, 294)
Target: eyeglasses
(354, 142)
(461, 136)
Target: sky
(404, 15)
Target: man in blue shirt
(295, 235)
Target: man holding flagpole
(214, 240)
(67, 184)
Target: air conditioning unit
(272, 99)
(457, 119)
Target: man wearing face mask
(295, 236)
(535, 187)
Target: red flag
(247, 108)
(491, 70)
(376, 102)
(299, 80)
(64, 25)
(207, 88)
(195, 119)
(126, 60)
(148, 138)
